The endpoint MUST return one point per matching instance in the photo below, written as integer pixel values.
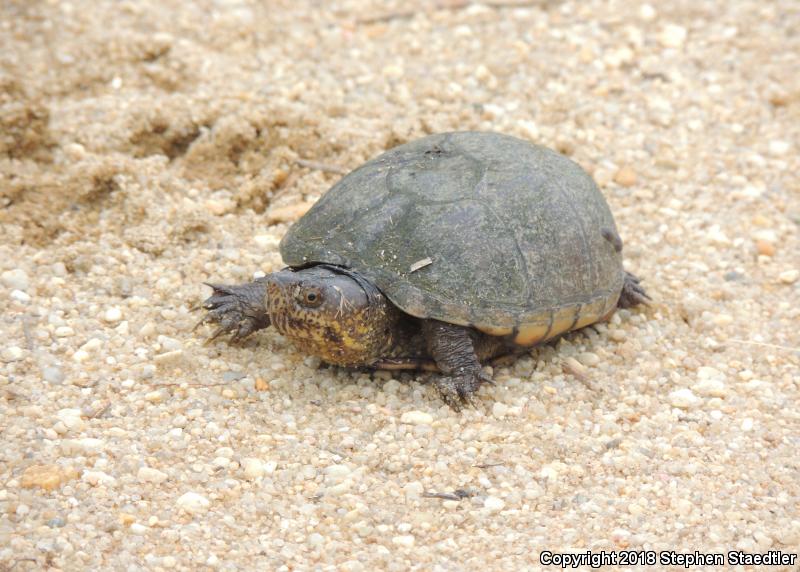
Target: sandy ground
(147, 146)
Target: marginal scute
(518, 235)
(564, 319)
(531, 334)
(590, 313)
(494, 330)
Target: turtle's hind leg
(238, 309)
(632, 292)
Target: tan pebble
(602, 176)
(169, 358)
(150, 475)
(589, 359)
(574, 367)
(261, 384)
(218, 207)
(47, 477)
(288, 213)
(789, 276)
(126, 519)
(98, 478)
(723, 319)
(617, 335)
(761, 220)
(765, 248)
(625, 177)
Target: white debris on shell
(420, 264)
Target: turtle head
(331, 312)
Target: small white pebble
(12, 353)
(98, 478)
(112, 315)
(413, 490)
(20, 296)
(747, 424)
(80, 356)
(64, 332)
(336, 473)
(193, 503)
(499, 410)
(138, 528)
(71, 418)
(672, 36)
(647, 12)
(315, 539)
(150, 475)
(16, 279)
(494, 504)
(92, 344)
(713, 387)
(779, 148)
(404, 540)
(683, 398)
(589, 359)
(266, 240)
(416, 418)
(789, 276)
(86, 446)
(705, 372)
(253, 468)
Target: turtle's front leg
(452, 348)
(238, 309)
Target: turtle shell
(472, 228)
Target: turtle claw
(238, 310)
(460, 390)
(633, 293)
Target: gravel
(139, 160)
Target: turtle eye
(310, 296)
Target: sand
(148, 146)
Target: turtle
(440, 254)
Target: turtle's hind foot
(632, 293)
